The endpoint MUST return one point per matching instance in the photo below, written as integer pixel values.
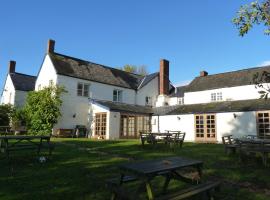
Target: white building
(115, 104)
(16, 86)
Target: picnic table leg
(167, 181)
(39, 146)
(149, 190)
(199, 169)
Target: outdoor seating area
(9, 143)
(249, 146)
(170, 138)
(168, 168)
(124, 169)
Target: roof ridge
(246, 69)
(79, 59)
(23, 74)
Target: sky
(193, 35)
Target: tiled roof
(23, 82)
(218, 107)
(147, 79)
(223, 80)
(74, 67)
(178, 91)
(123, 107)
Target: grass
(79, 167)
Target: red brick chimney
(12, 66)
(203, 73)
(50, 47)
(164, 77)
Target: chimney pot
(203, 73)
(11, 67)
(50, 48)
(164, 81)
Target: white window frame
(216, 96)
(82, 92)
(118, 97)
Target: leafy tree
(135, 69)
(43, 109)
(5, 114)
(255, 13)
(259, 79)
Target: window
(205, 127)
(148, 101)
(180, 101)
(216, 96)
(117, 95)
(51, 83)
(263, 124)
(100, 124)
(83, 89)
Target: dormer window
(117, 95)
(83, 90)
(148, 101)
(216, 96)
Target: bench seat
(192, 191)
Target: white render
(228, 94)
(46, 74)
(151, 89)
(8, 95)
(243, 124)
(11, 96)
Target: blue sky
(193, 35)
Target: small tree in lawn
(43, 109)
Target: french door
(205, 128)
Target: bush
(43, 109)
(6, 111)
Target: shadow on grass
(74, 173)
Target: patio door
(205, 128)
(132, 125)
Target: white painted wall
(173, 123)
(73, 104)
(46, 73)
(8, 95)
(151, 89)
(113, 125)
(231, 93)
(243, 124)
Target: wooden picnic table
(146, 171)
(254, 145)
(15, 143)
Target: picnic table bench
(10, 143)
(254, 146)
(144, 172)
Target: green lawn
(79, 167)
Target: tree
(6, 111)
(255, 13)
(141, 70)
(259, 79)
(43, 109)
